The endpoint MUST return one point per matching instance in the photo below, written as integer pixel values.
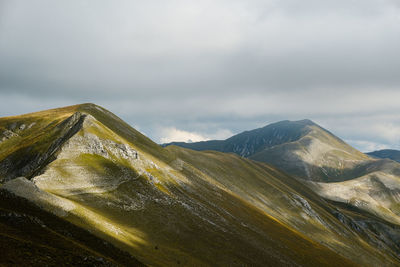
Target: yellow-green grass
(175, 206)
(30, 236)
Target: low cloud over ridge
(209, 65)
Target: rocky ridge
(153, 201)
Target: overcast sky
(180, 70)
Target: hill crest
(153, 201)
(301, 148)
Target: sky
(185, 70)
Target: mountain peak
(44, 133)
(303, 122)
(302, 148)
(87, 166)
(306, 122)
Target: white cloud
(390, 132)
(172, 134)
(366, 146)
(220, 134)
(208, 65)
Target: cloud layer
(209, 66)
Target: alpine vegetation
(290, 194)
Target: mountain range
(386, 154)
(81, 184)
(301, 148)
(332, 168)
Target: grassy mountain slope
(300, 148)
(386, 154)
(248, 143)
(318, 155)
(30, 236)
(377, 192)
(173, 206)
(309, 152)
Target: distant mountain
(333, 169)
(386, 154)
(248, 143)
(172, 206)
(301, 148)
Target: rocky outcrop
(7, 134)
(377, 193)
(28, 161)
(86, 169)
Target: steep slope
(309, 152)
(386, 154)
(300, 148)
(377, 192)
(176, 206)
(30, 236)
(248, 143)
(317, 156)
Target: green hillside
(30, 236)
(174, 206)
(300, 148)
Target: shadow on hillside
(233, 231)
(33, 237)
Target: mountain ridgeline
(248, 143)
(386, 154)
(301, 148)
(328, 165)
(82, 169)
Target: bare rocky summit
(174, 206)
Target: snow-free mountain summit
(172, 206)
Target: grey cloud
(207, 65)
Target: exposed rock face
(89, 143)
(316, 157)
(85, 147)
(301, 148)
(374, 230)
(13, 130)
(28, 161)
(377, 192)
(93, 170)
(7, 134)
